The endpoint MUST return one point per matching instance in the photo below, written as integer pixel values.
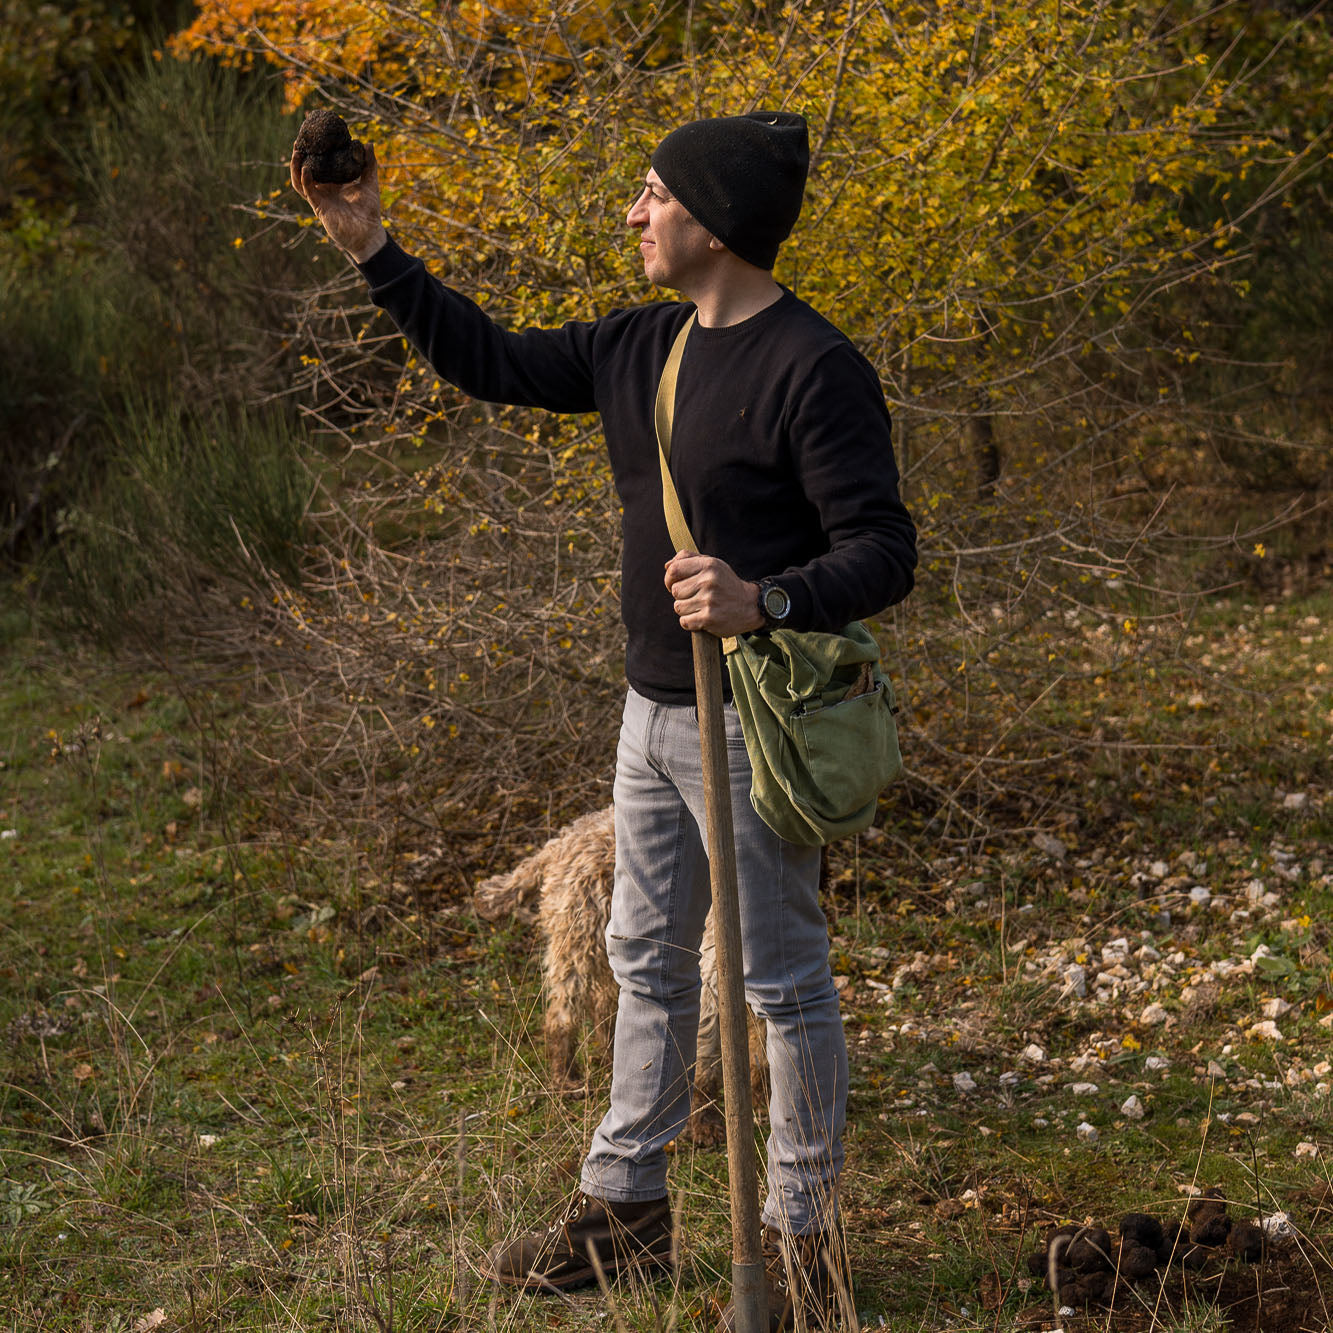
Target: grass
(253, 1083)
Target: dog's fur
(565, 888)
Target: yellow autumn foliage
(1004, 200)
(996, 189)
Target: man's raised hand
(349, 213)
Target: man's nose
(638, 214)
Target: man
(782, 458)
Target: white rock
(1307, 1149)
(1052, 846)
(1087, 1133)
(1277, 1007)
(1159, 870)
(1010, 1078)
(1265, 1031)
(1076, 980)
(1153, 1015)
(1084, 1089)
(1034, 1054)
(1040, 1122)
(1322, 1068)
(1294, 800)
(1147, 954)
(1277, 1224)
(1156, 1062)
(208, 1140)
(1215, 1070)
(1255, 890)
(1200, 896)
(965, 1083)
(1115, 951)
(1132, 1109)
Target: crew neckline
(744, 326)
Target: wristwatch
(774, 604)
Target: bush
(167, 279)
(185, 506)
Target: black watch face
(776, 603)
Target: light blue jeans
(660, 900)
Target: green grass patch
(247, 1080)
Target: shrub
(184, 507)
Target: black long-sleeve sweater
(780, 447)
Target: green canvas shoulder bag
(816, 709)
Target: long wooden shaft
(747, 1265)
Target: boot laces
(577, 1206)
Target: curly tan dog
(565, 888)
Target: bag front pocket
(850, 752)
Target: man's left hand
(709, 595)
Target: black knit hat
(741, 177)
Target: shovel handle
(747, 1258)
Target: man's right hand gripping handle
(349, 213)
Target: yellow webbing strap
(664, 411)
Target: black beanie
(741, 177)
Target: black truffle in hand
(328, 149)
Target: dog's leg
(559, 1029)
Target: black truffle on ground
(1246, 1242)
(1137, 1261)
(1089, 1251)
(1140, 1229)
(1172, 1240)
(1086, 1288)
(1195, 1256)
(328, 149)
(1209, 1223)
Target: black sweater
(780, 448)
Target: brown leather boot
(623, 1236)
(811, 1278)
